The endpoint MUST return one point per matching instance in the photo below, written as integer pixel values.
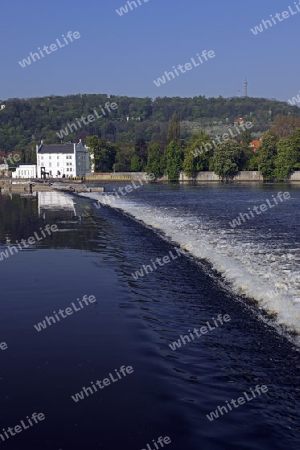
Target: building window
(49, 164)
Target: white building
(25, 171)
(63, 160)
(55, 201)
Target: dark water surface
(133, 322)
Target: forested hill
(26, 121)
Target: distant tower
(246, 88)
(239, 94)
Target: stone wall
(295, 176)
(116, 176)
(201, 177)
(211, 176)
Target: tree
(252, 163)
(104, 153)
(155, 162)
(227, 158)
(123, 157)
(286, 158)
(141, 151)
(82, 136)
(136, 164)
(248, 159)
(266, 154)
(29, 154)
(197, 153)
(173, 160)
(285, 126)
(45, 118)
(246, 137)
(296, 143)
(174, 130)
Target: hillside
(23, 122)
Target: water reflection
(55, 201)
(22, 215)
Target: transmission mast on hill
(246, 88)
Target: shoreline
(77, 186)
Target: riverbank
(78, 186)
(23, 186)
(200, 177)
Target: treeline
(24, 122)
(278, 155)
(276, 158)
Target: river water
(249, 273)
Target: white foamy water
(255, 266)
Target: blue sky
(123, 54)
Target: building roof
(26, 165)
(255, 144)
(56, 148)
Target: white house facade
(25, 171)
(62, 160)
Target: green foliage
(24, 120)
(247, 158)
(104, 153)
(123, 158)
(174, 130)
(136, 164)
(173, 161)
(285, 126)
(227, 159)
(126, 130)
(141, 151)
(246, 137)
(156, 160)
(253, 163)
(296, 141)
(197, 153)
(286, 159)
(266, 155)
